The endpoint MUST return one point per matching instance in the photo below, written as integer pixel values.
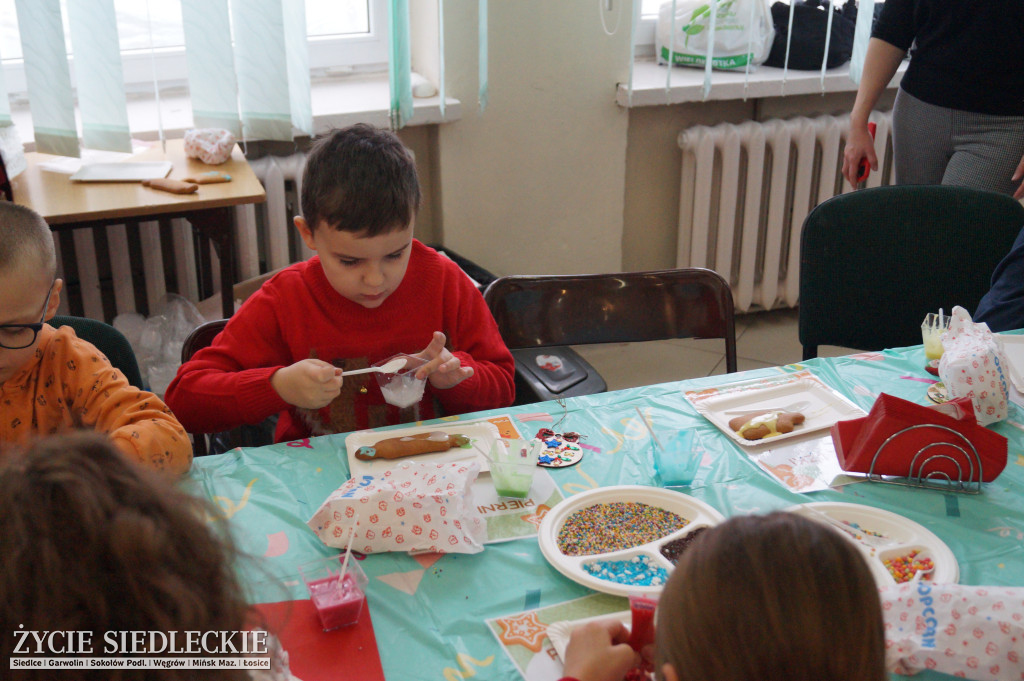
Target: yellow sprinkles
(619, 525)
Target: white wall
(536, 183)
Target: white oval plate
(903, 535)
(697, 512)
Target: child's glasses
(18, 336)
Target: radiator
(164, 255)
(745, 191)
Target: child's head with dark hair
(771, 597)
(360, 179)
(359, 201)
(93, 542)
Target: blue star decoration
(544, 458)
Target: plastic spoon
(389, 368)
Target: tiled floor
(763, 339)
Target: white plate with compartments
(696, 514)
(482, 435)
(884, 535)
(800, 392)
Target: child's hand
(598, 651)
(309, 383)
(444, 369)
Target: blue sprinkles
(637, 571)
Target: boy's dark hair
(360, 179)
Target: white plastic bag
(743, 33)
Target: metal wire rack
(954, 448)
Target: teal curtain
(209, 56)
(297, 51)
(5, 102)
(262, 69)
(101, 99)
(400, 63)
(49, 80)
(861, 36)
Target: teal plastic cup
(677, 461)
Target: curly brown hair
(93, 542)
(771, 597)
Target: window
(344, 35)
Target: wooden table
(68, 205)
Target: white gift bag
(743, 33)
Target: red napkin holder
(920, 453)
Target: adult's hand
(859, 145)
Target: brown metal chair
(244, 436)
(583, 309)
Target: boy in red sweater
(371, 291)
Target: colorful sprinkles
(636, 571)
(602, 528)
(864, 531)
(903, 568)
(675, 548)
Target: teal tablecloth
(435, 627)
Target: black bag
(809, 28)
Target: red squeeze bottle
(641, 631)
(864, 169)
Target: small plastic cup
(677, 461)
(338, 598)
(931, 334)
(402, 389)
(513, 462)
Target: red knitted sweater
(297, 315)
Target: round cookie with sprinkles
(602, 528)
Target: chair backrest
(582, 309)
(201, 337)
(107, 340)
(875, 261)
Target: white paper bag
(973, 365)
(973, 632)
(414, 507)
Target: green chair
(107, 340)
(874, 262)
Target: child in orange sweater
(50, 380)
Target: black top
(968, 54)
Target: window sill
(649, 84)
(337, 102)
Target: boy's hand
(309, 383)
(444, 369)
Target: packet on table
(974, 632)
(414, 507)
(974, 366)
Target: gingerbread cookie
(411, 445)
(762, 424)
(172, 186)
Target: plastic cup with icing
(513, 462)
(932, 329)
(337, 596)
(402, 389)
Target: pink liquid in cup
(337, 604)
